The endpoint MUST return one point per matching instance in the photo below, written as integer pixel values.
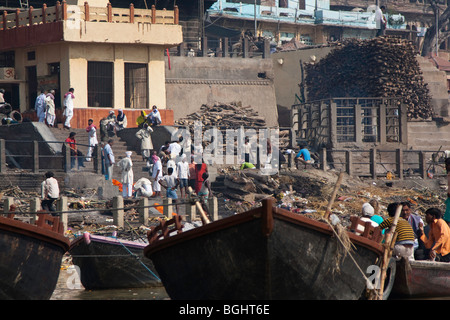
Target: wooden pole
(205, 219)
(389, 243)
(333, 195)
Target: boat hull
(109, 263)
(30, 260)
(421, 279)
(235, 258)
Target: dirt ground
(300, 191)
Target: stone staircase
(119, 148)
(437, 83)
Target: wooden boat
(111, 263)
(421, 278)
(265, 253)
(30, 257)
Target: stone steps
(119, 148)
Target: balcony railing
(62, 11)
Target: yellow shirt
(439, 237)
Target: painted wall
(192, 82)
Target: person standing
(438, 239)
(68, 107)
(126, 166)
(50, 114)
(205, 191)
(109, 159)
(174, 149)
(380, 21)
(144, 135)
(170, 182)
(156, 173)
(75, 154)
(183, 175)
(93, 141)
(49, 192)
(39, 106)
(200, 168)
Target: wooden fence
(377, 163)
(118, 209)
(62, 11)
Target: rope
(139, 259)
(349, 253)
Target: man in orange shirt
(438, 239)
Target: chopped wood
(380, 67)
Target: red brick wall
(81, 116)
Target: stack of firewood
(229, 116)
(379, 67)
(226, 115)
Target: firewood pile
(379, 67)
(229, 116)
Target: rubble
(305, 192)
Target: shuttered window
(136, 85)
(100, 84)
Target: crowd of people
(170, 167)
(415, 240)
(173, 168)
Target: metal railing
(37, 156)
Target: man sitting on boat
(404, 245)
(438, 239)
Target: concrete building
(113, 57)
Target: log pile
(379, 67)
(229, 116)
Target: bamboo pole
(389, 243)
(333, 195)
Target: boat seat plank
(370, 232)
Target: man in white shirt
(49, 191)
(109, 159)
(93, 141)
(68, 107)
(156, 173)
(380, 21)
(174, 149)
(170, 182)
(155, 116)
(183, 174)
(39, 106)
(126, 166)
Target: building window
(31, 56)
(302, 4)
(7, 59)
(100, 84)
(283, 3)
(136, 85)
